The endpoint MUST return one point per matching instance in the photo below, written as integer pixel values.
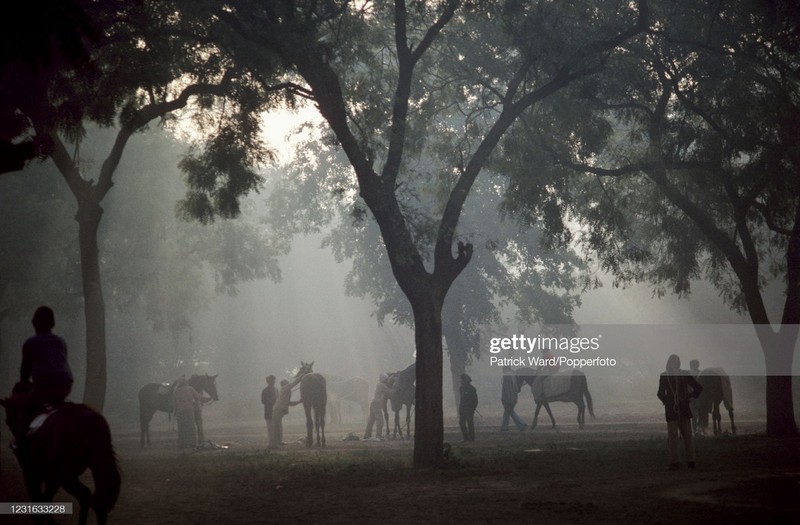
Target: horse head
(305, 368)
(205, 383)
(14, 403)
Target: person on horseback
(45, 365)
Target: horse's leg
(408, 420)
(581, 412)
(321, 428)
(82, 494)
(550, 413)
(536, 415)
(733, 425)
(717, 418)
(397, 427)
(309, 425)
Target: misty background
(238, 299)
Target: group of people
(276, 403)
(45, 366)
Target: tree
(694, 166)
(535, 51)
(147, 67)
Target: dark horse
(314, 395)
(576, 390)
(72, 438)
(155, 397)
(403, 394)
(716, 389)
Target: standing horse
(71, 439)
(354, 390)
(153, 397)
(716, 389)
(403, 394)
(314, 395)
(541, 383)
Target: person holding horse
(468, 403)
(382, 392)
(676, 388)
(44, 362)
(508, 396)
(186, 401)
(281, 407)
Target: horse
(314, 395)
(155, 397)
(576, 390)
(355, 390)
(716, 389)
(72, 438)
(403, 394)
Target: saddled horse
(576, 389)
(403, 394)
(71, 439)
(155, 397)
(354, 390)
(716, 389)
(314, 395)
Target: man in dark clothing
(268, 397)
(676, 388)
(466, 408)
(44, 362)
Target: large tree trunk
(88, 217)
(778, 351)
(458, 359)
(428, 415)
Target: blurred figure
(508, 396)
(281, 407)
(382, 393)
(468, 402)
(675, 388)
(268, 397)
(694, 371)
(186, 400)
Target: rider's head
(43, 319)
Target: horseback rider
(44, 363)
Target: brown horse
(71, 439)
(576, 390)
(403, 395)
(154, 397)
(314, 395)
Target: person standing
(186, 399)
(268, 397)
(281, 407)
(44, 363)
(508, 396)
(675, 389)
(382, 393)
(468, 403)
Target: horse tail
(104, 466)
(727, 392)
(588, 397)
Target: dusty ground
(610, 472)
